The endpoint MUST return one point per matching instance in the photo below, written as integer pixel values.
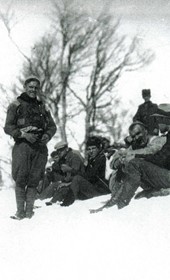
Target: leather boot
(30, 198)
(20, 201)
(69, 198)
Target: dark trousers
(144, 174)
(28, 165)
(83, 189)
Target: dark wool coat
(28, 160)
(161, 158)
(143, 114)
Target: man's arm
(75, 165)
(154, 146)
(51, 126)
(11, 121)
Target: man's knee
(134, 164)
(76, 179)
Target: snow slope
(69, 243)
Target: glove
(45, 138)
(30, 137)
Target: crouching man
(152, 172)
(93, 183)
(67, 163)
(142, 144)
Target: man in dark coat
(153, 171)
(66, 164)
(94, 182)
(144, 112)
(31, 126)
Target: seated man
(94, 182)
(66, 164)
(152, 172)
(142, 144)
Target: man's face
(146, 98)
(62, 152)
(92, 151)
(32, 89)
(139, 136)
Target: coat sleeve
(51, 126)
(11, 121)
(77, 165)
(154, 146)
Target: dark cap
(146, 92)
(32, 78)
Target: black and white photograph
(85, 139)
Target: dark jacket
(73, 160)
(143, 114)
(95, 174)
(161, 158)
(76, 163)
(95, 169)
(26, 112)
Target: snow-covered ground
(70, 243)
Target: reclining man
(93, 183)
(152, 172)
(67, 163)
(142, 144)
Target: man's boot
(69, 198)
(30, 198)
(20, 201)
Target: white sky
(150, 19)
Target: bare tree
(58, 57)
(113, 54)
(80, 48)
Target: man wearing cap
(153, 171)
(67, 163)
(31, 126)
(145, 110)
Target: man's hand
(129, 156)
(66, 168)
(45, 138)
(30, 137)
(118, 159)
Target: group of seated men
(143, 161)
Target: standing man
(144, 112)
(31, 126)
